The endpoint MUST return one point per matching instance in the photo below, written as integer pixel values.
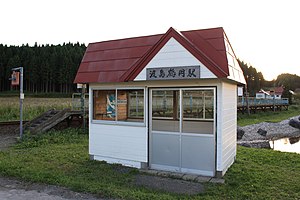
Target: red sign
(15, 78)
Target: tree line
(255, 81)
(52, 68)
(47, 68)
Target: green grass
(61, 158)
(32, 107)
(16, 93)
(244, 119)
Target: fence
(255, 104)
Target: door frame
(180, 133)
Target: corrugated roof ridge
(205, 29)
(204, 54)
(218, 51)
(111, 59)
(126, 76)
(110, 70)
(119, 48)
(205, 39)
(115, 40)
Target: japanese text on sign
(167, 73)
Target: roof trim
(140, 65)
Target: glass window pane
(193, 101)
(165, 110)
(104, 107)
(130, 105)
(198, 111)
(209, 105)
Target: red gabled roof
(108, 61)
(122, 60)
(279, 90)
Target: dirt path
(12, 189)
(8, 136)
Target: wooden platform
(262, 104)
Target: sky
(263, 33)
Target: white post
(20, 69)
(21, 102)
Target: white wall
(227, 125)
(174, 54)
(124, 144)
(119, 142)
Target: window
(104, 104)
(127, 107)
(165, 110)
(198, 111)
(183, 110)
(130, 105)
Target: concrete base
(187, 177)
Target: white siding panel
(123, 142)
(206, 73)
(227, 126)
(174, 54)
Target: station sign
(173, 73)
(15, 78)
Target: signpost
(17, 79)
(82, 100)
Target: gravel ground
(274, 131)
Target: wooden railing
(262, 102)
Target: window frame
(181, 89)
(115, 121)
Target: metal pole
(21, 102)
(20, 69)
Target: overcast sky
(263, 33)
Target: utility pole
(247, 100)
(17, 79)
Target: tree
(289, 82)
(255, 80)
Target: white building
(164, 101)
(275, 93)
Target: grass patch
(61, 158)
(16, 93)
(32, 107)
(269, 116)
